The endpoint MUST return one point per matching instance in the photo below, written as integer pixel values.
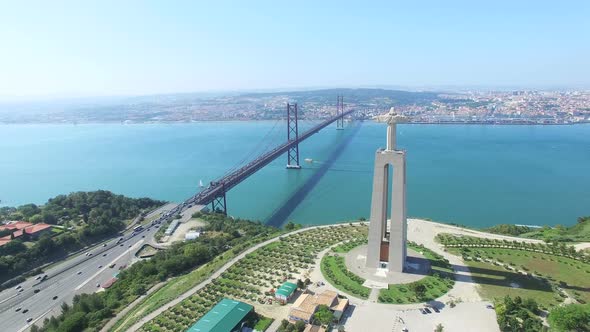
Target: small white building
(191, 235)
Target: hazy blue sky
(142, 47)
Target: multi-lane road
(35, 300)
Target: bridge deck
(220, 186)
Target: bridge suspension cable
(219, 187)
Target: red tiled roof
(18, 225)
(19, 228)
(36, 228)
(109, 283)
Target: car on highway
(36, 291)
(104, 244)
(143, 236)
(129, 246)
(97, 285)
(112, 265)
(104, 255)
(20, 290)
(55, 297)
(79, 273)
(18, 287)
(38, 277)
(18, 309)
(25, 311)
(29, 320)
(100, 266)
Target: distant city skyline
(83, 49)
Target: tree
(419, 289)
(290, 226)
(300, 284)
(531, 305)
(36, 219)
(572, 317)
(74, 322)
(299, 326)
(323, 315)
(439, 328)
(64, 307)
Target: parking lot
(470, 316)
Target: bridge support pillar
(218, 205)
(292, 136)
(340, 113)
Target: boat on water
(201, 184)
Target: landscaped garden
(548, 273)
(439, 281)
(335, 271)
(253, 278)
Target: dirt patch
(183, 228)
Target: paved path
(123, 312)
(274, 326)
(582, 246)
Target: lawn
(553, 272)
(263, 324)
(403, 293)
(335, 271)
(439, 282)
(580, 232)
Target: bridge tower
(218, 204)
(339, 113)
(292, 136)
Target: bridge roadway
(219, 187)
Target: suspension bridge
(215, 192)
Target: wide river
(474, 175)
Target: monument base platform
(417, 267)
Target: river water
(475, 175)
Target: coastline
(131, 122)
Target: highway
(77, 275)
